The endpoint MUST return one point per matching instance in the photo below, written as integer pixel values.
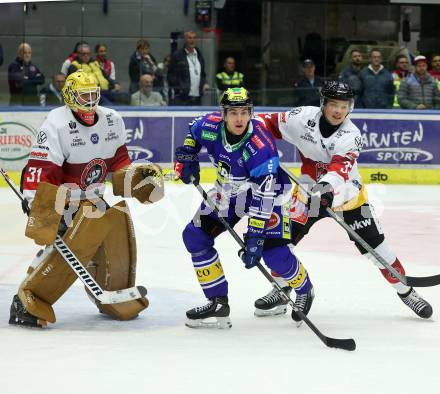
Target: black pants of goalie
(215, 314)
(19, 316)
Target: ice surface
(85, 352)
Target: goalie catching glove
(141, 181)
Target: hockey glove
(251, 255)
(321, 198)
(186, 164)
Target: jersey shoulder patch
(207, 128)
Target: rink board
(399, 147)
(390, 176)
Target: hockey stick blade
(423, 281)
(124, 295)
(345, 344)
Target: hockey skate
(272, 303)
(420, 307)
(304, 303)
(19, 316)
(215, 314)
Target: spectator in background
(435, 68)
(106, 65)
(145, 96)
(51, 94)
(400, 72)
(143, 62)
(163, 66)
(186, 74)
(350, 75)
(419, 90)
(308, 87)
(229, 77)
(24, 78)
(85, 62)
(65, 66)
(377, 90)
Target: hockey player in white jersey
(329, 145)
(77, 146)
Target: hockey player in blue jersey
(249, 182)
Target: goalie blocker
(104, 241)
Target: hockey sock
(210, 273)
(389, 256)
(284, 262)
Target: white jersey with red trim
(67, 152)
(332, 159)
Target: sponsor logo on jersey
(274, 221)
(209, 125)
(256, 223)
(360, 224)
(223, 172)
(41, 137)
(209, 135)
(340, 133)
(16, 140)
(308, 137)
(39, 155)
(251, 149)
(359, 143)
(43, 147)
(94, 172)
(311, 123)
(246, 155)
(94, 138)
(294, 111)
(265, 137)
(257, 141)
(111, 135)
(110, 121)
(214, 118)
(77, 141)
(72, 125)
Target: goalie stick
(103, 296)
(413, 281)
(346, 344)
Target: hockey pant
(106, 246)
(199, 236)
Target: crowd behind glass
(180, 78)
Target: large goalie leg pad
(53, 276)
(114, 264)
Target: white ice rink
(85, 352)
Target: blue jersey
(248, 169)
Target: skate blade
(278, 310)
(212, 322)
(16, 322)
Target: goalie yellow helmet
(81, 92)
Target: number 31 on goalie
(34, 174)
